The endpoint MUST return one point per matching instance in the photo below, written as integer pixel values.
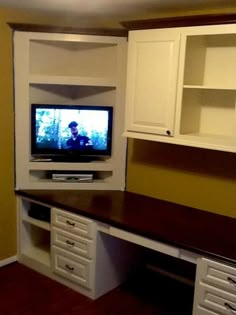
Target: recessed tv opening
(71, 132)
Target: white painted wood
(72, 243)
(41, 224)
(214, 299)
(69, 69)
(7, 261)
(72, 267)
(214, 287)
(188, 256)
(114, 260)
(73, 223)
(218, 274)
(151, 81)
(143, 241)
(70, 80)
(98, 166)
(204, 115)
(205, 111)
(203, 311)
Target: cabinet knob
(168, 132)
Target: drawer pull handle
(231, 280)
(70, 243)
(69, 268)
(70, 223)
(230, 307)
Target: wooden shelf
(72, 80)
(40, 254)
(35, 222)
(90, 166)
(208, 87)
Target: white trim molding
(7, 261)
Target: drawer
(73, 223)
(75, 268)
(216, 299)
(203, 311)
(73, 243)
(218, 274)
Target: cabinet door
(151, 81)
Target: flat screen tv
(70, 132)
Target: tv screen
(71, 131)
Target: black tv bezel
(61, 154)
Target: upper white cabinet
(151, 82)
(189, 90)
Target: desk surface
(195, 230)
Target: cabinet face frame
(150, 106)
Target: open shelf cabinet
(68, 69)
(206, 103)
(34, 239)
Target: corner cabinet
(151, 83)
(69, 69)
(181, 86)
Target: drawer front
(73, 223)
(218, 274)
(72, 267)
(203, 311)
(216, 299)
(72, 243)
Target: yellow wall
(199, 178)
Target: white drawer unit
(217, 274)
(71, 242)
(215, 288)
(73, 223)
(216, 299)
(73, 267)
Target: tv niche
(71, 133)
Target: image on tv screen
(71, 129)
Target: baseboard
(7, 261)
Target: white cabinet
(72, 250)
(33, 238)
(151, 82)
(203, 73)
(215, 288)
(68, 69)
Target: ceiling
(115, 8)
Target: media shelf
(69, 69)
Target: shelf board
(38, 223)
(208, 87)
(72, 80)
(226, 140)
(41, 254)
(53, 166)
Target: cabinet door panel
(151, 82)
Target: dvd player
(72, 177)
